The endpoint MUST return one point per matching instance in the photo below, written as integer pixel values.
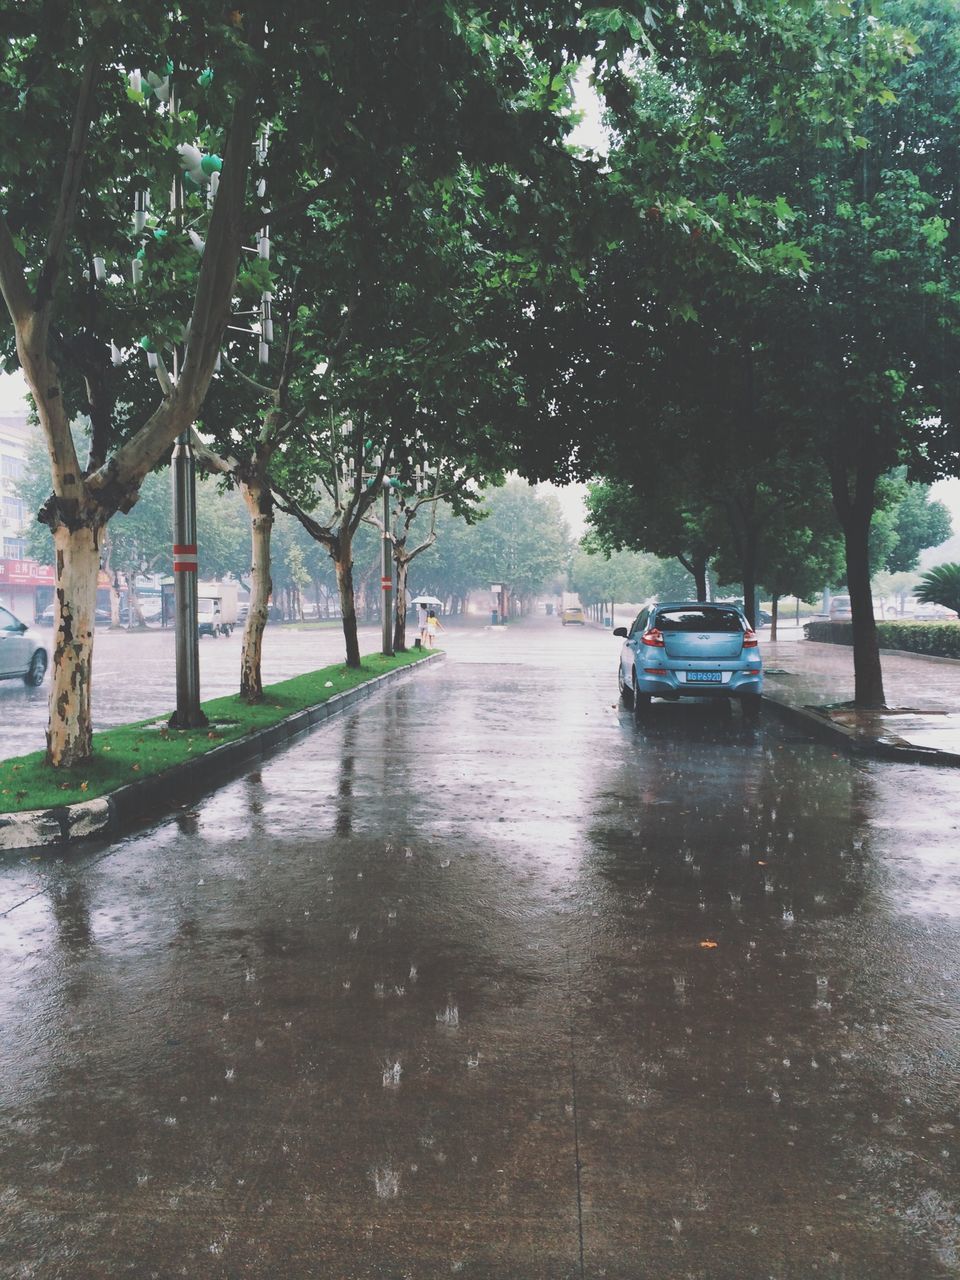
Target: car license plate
(704, 677)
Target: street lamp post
(386, 575)
(188, 714)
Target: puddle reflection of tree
(70, 903)
(343, 824)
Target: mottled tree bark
(70, 730)
(259, 501)
(342, 555)
(135, 616)
(400, 605)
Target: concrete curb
(820, 726)
(129, 805)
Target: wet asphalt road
(134, 675)
(456, 1008)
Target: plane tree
(393, 368)
(412, 527)
(87, 216)
(665, 519)
(601, 578)
(87, 208)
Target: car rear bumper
(735, 684)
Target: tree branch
(286, 371)
(317, 531)
(69, 191)
(13, 283)
(245, 377)
(123, 474)
(210, 461)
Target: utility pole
(188, 714)
(386, 575)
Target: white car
(22, 651)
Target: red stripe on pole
(184, 566)
(184, 548)
(386, 583)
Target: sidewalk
(923, 697)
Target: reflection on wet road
(535, 994)
(134, 675)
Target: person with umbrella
(423, 616)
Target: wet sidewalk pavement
(482, 980)
(923, 694)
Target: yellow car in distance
(573, 614)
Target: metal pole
(188, 714)
(386, 576)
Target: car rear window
(699, 620)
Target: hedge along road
(134, 676)
(526, 993)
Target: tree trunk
(400, 605)
(854, 504)
(77, 564)
(343, 563)
(696, 566)
(135, 616)
(748, 564)
(775, 610)
(868, 675)
(259, 502)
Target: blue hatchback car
(683, 649)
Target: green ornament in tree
(205, 78)
(146, 343)
(210, 165)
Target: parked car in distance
(934, 613)
(573, 614)
(23, 653)
(839, 610)
(684, 649)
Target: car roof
(695, 604)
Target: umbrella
(425, 600)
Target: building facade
(26, 587)
(15, 438)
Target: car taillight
(750, 640)
(653, 637)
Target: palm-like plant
(940, 585)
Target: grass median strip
(148, 747)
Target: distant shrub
(937, 639)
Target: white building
(26, 587)
(15, 438)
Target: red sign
(386, 583)
(26, 573)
